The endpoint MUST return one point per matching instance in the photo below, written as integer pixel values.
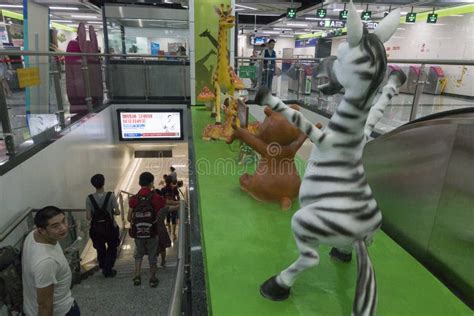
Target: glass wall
(147, 30)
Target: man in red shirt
(145, 245)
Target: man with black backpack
(101, 207)
(143, 217)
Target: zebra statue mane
(337, 205)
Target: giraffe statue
(223, 80)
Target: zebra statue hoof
(261, 95)
(340, 256)
(271, 290)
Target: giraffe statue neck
(223, 58)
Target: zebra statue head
(360, 63)
(337, 207)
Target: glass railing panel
(446, 87)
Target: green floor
(246, 241)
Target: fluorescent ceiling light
(457, 15)
(282, 29)
(246, 7)
(261, 14)
(297, 24)
(64, 8)
(360, 10)
(313, 19)
(62, 21)
(337, 10)
(84, 16)
(287, 35)
(94, 22)
(403, 13)
(301, 33)
(11, 6)
(270, 32)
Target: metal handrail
(33, 53)
(465, 62)
(7, 229)
(128, 193)
(174, 308)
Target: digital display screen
(258, 40)
(145, 124)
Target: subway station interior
(324, 151)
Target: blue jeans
(267, 79)
(74, 311)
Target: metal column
(59, 95)
(6, 126)
(87, 84)
(420, 82)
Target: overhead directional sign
(411, 17)
(321, 13)
(366, 15)
(371, 25)
(432, 18)
(291, 13)
(331, 23)
(343, 15)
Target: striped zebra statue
(337, 205)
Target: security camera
(255, 31)
(283, 32)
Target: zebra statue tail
(365, 299)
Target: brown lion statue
(277, 141)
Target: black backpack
(11, 288)
(102, 223)
(144, 218)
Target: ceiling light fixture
(261, 14)
(64, 8)
(312, 19)
(297, 24)
(94, 22)
(84, 16)
(62, 21)
(11, 6)
(246, 7)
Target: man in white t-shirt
(46, 273)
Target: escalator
(422, 177)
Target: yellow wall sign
(28, 77)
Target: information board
(248, 72)
(146, 124)
(28, 77)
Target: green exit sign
(366, 15)
(291, 13)
(343, 15)
(432, 18)
(411, 17)
(321, 13)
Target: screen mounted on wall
(146, 124)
